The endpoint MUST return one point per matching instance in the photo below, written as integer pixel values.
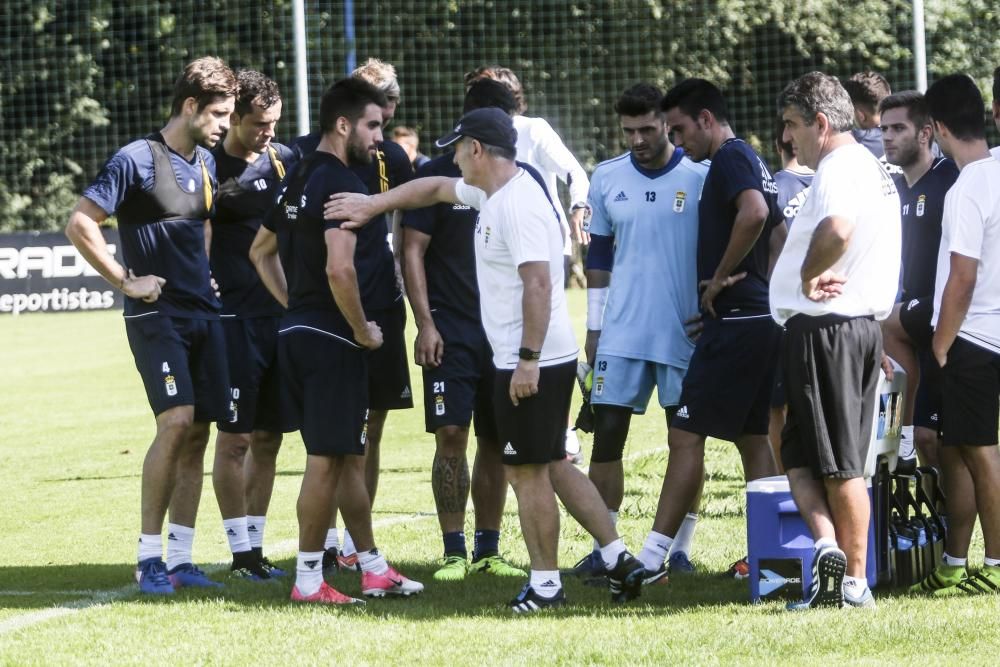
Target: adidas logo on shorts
(406, 392)
(509, 451)
(683, 412)
(621, 196)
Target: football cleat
(389, 582)
(151, 575)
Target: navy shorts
(971, 395)
(729, 382)
(460, 390)
(915, 318)
(255, 392)
(323, 379)
(534, 431)
(182, 361)
(388, 366)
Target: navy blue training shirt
(793, 188)
(450, 260)
(922, 209)
(161, 215)
(246, 193)
(735, 168)
(301, 230)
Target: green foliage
(81, 79)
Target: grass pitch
(75, 426)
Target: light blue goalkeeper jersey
(653, 219)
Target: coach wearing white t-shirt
(837, 274)
(520, 273)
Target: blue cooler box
(780, 545)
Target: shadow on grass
(208, 474)
(87, 585)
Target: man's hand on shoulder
(148, 288)
(353, 207)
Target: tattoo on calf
(450, 481)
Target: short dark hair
(956, 103)
(206, 80)
(779, 138)
(348, 98)
(504, 75)
(499, 151)
(816, 93)
(996, 85)
(485, 93)
(255, 88)
(867, 89)
(639, 100)
(914, 103)
(692, 96)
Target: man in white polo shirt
(523, 304)
(836, 275)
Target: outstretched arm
(357, 209)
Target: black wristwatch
(528, 354)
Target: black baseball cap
(489, 125)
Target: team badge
(171, 385)
(598, 385)
(921, 200)
(439, 405)
(486, 236)
(679, 202)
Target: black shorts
(460, 390)
(252, 350)
(831, 368)
(915, 318)
(388, 366)
(729, 382)
(778, 398)
(971, 395)
(182, 361)
(534, 432)
(322, 377)
(927, 407)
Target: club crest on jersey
(439, 405)
(921, 201)
(679, 202)
(170, 384)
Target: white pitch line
(104, 597)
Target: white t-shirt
(540, 146)
(970, 226)
(849, 183)
(517, 225)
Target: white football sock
(349, 547)
(545, 583)
(610, 553)
(180, 542)
(685, 535)
(309, 572)
(255, 528)
(237, 534)
(948, 559)
(332, 541)
(373, 561)
(150, 546)
(655, 550)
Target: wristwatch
(528, 354)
